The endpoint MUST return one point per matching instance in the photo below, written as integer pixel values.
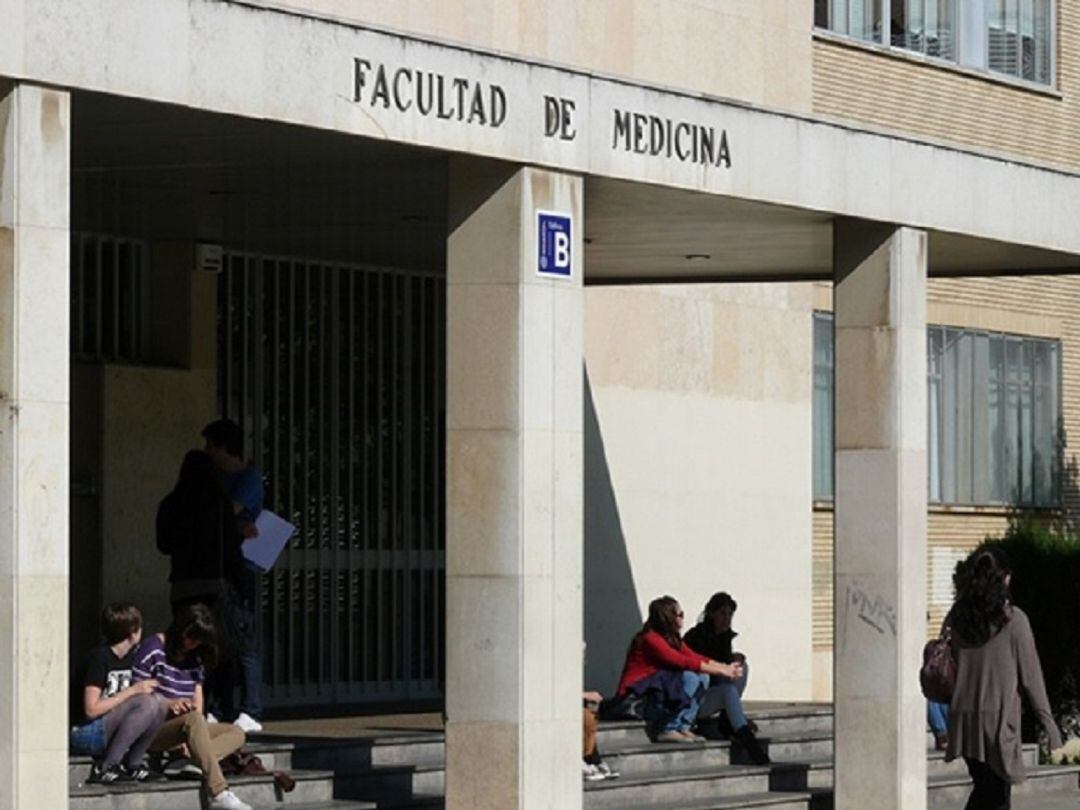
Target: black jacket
(704, 641)
(196, 526)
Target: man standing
(244, 485)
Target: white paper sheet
(274, 533)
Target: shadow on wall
(612, 615)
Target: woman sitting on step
(712, 636)
(672, 678)
(176, 660)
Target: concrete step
(312, 787)
(762, 801)
(678, 786)
(391, 782)
(780, 721)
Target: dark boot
(745, 737)
(709, 728)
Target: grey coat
(984, 716)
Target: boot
(709, 728)
(750, 744)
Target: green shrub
(1046, 585)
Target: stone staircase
(404, 770)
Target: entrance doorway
(336, 372)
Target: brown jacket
(984, 716)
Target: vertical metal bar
(333, 479)
(408, 504)
(79, 262)
(380, 498)
(115, 320)
(309, 524)
(133, 300)
(98, 303)
(294, 554)
(225, 325)
(367, 511)
(275, 469)
(439, 470)
(350, 484)
(419, 477)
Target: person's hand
(184, 751)
(146, 687)
(734, 671)
(182, 706)
(248, 530)
(593, 697)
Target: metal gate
(336, 373)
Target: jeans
(89, 738)
(660, 720)
(726, 693)
(937, 715)
(990, 791)
(245, 670)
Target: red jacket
(649, 653)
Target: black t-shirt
(103, 668)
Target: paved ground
(373, 725)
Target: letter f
(360, 67)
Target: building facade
(534, 311)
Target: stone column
(514, 495)
(35, 135)
(880, 551)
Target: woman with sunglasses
(670, 676)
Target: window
(926, 26)
(1019, 41)
(1011, 37)
(823, 406)
(994, 417)
(107, 289)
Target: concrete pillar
(35, 135)
(514, 495)
(880, 556)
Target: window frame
(971, 47)
(980, 343)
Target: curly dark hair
(982, 595)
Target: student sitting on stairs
(119, 718)
(176, 659)
(712, 636)
(668, 675)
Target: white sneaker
(227, 800)
(590, 773)
(606, 771)
(210, 717)
(248, 724)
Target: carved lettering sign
(410, 90)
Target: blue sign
(554, 245)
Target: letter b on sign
(554, 238)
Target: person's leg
(937, 717)
(154, 714)
(989, 791)
(128, 724)
(249, 661)
(589, 727)
(225, 738)
(192, 728)
(694, 684)
(724, 694)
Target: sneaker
(590, 773)
(227, 800)
(248, 724)
(691, 736)
(181, 766)
(138, 773)
(104, 776)
(606, 771)
(211, 718)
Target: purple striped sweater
(175, 682)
